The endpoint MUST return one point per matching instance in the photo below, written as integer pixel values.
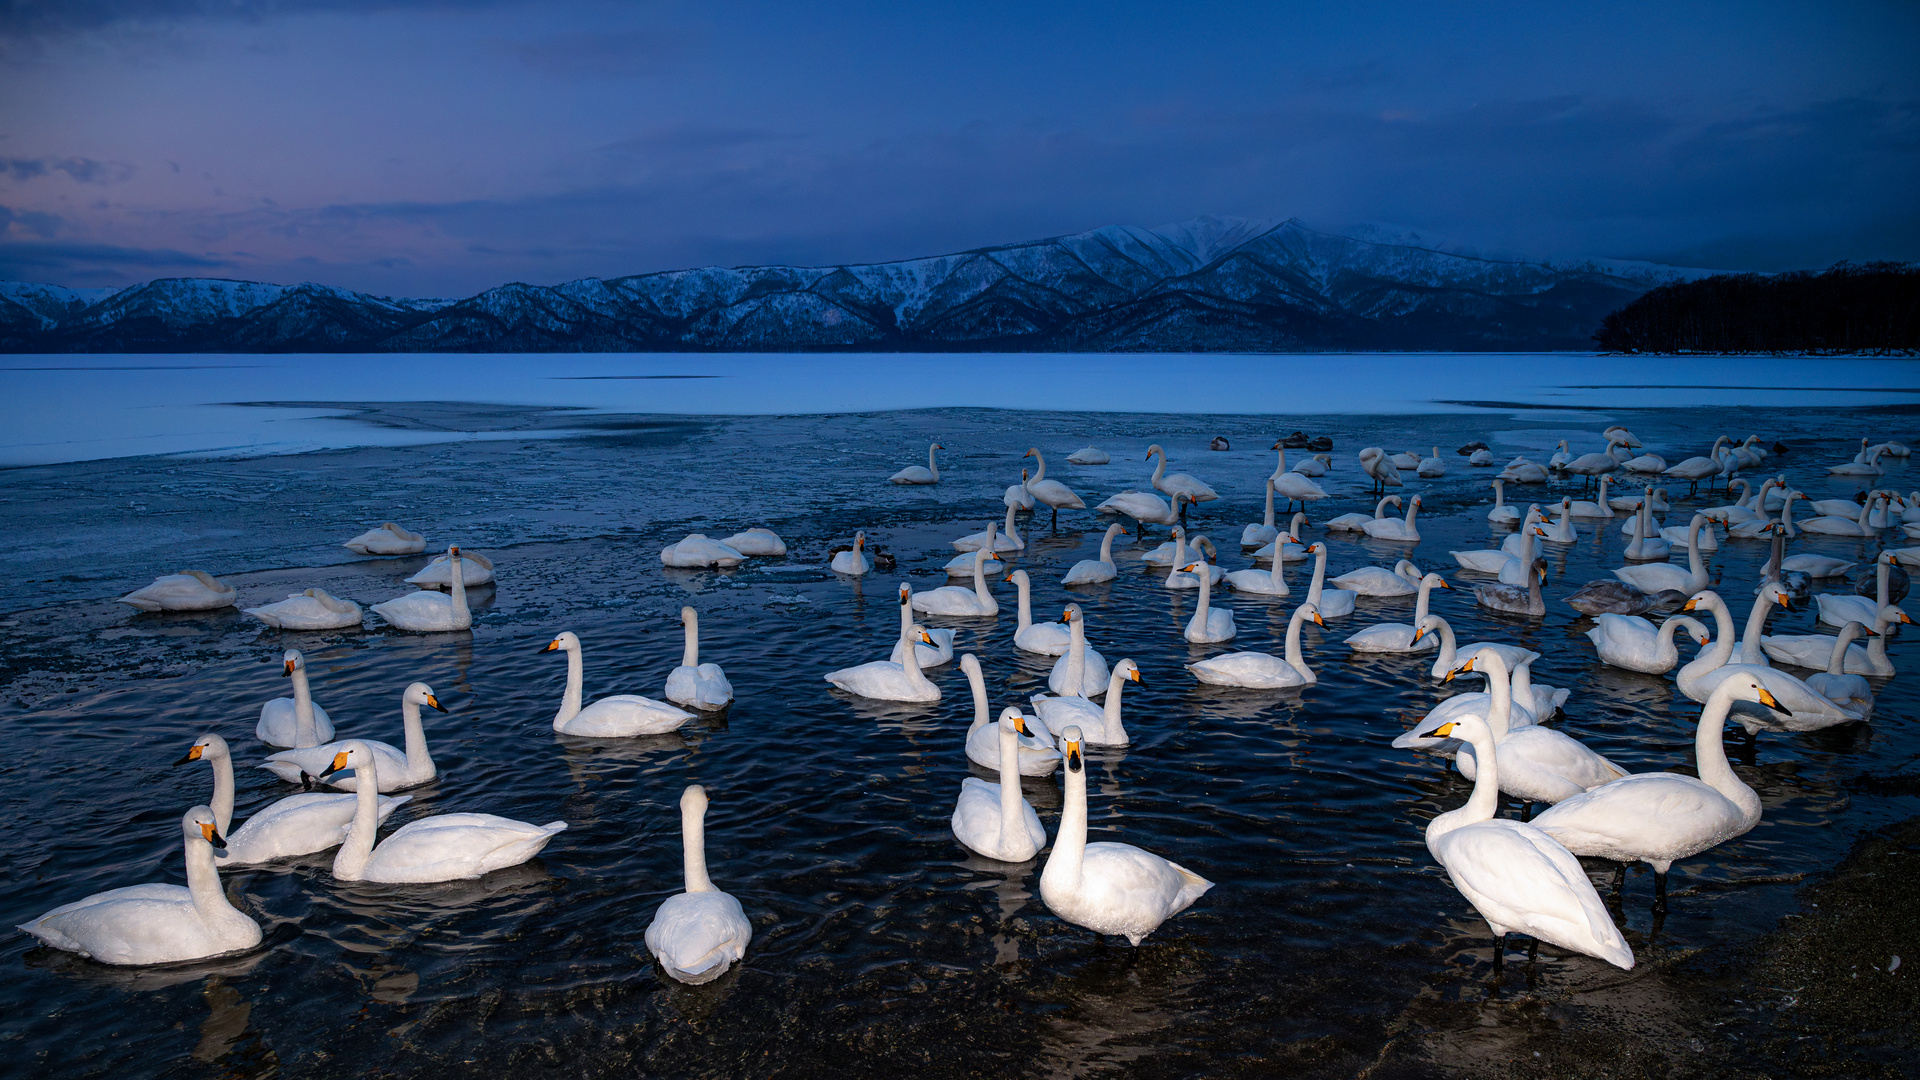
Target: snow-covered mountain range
(1206, 285)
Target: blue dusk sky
(440, 148)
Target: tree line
(1848, 308)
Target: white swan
(1101, 723)
(1265, 530)
(1037, 755)
(1396, 528)
(958, 601)
(1046, 639)
(1541, 700)
(1522, 471)
(1089, 455)
(1816, 650)
(890, 680)
(1599, 508)
(1005, 538)
(1081, 671)
(961, 566)
(1561, 530)
(1358, 522)
(1557, 462)
(296, 721)
(155, 924)
(1268, 582)
(1402, 637)
(1402, 580)
(388, 539)
(1662, 817)
(1513, 599)
(1481, 458)
(1263, 671)
(1655, 577)
(296, 825)
(443, 847)
(1537, 764)
(618, 716)
(1179, 483)
(1745, 508)
(1836, 685)
(1839, 609)
(1835, 525)
(1375, 463)
(313, 609)
(1095, 571)
(1207, 554)
(1695, 469)
(1516, 876)
(188, 590)
(700, 933)
(1869, 467)
(1648, 544)
(697, 551)
(1634, 643)
(1109, 888)
(1172, 553)
(1055, 494)
(1017, 495)
(1294, 483)
(1761, 527)
(1500, 513)
(1330, 603)
(996, 820)
(477, 570)
(1806, 709)
(1511, 568)
(402, 768)
(1317, 465)
(1210, 624)
(693, 684)
(915, 474)
(757, 543)
(1404, 460)
(1435, 466)
(424, 611)
(1452, 655)
(1144, 508)
(853, 562)
(933, 647)
(1288, 543)
(1645, 465)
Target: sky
(439, 148)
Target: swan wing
(624, 715)
(1253, 669)
(298, 825)
(698, 936)
(1521, 879)
(1644, 817)
(450, 847)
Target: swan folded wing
(626, 714)
(1089, 572)
(449, 847)
(1254, 669)
(298, 825)
(1391, 637)
(421, 610)
(289, 765)
(1521, 879)
(699, 934)
(1643, 816)
(278, 724)
(1131, 891)
(705, 685)
(1057, 713)
(976, 823)
(139, 924)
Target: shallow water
(880, 945)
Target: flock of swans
(1523, 876)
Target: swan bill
(192, 755)
(551, 645)
(1445, 729)
(434, 701)
(1073, 756)
(287, 672)
(211, 833)
(1771, 702)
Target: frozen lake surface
(880, 946)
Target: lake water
(880, 945)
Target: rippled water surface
(880, 945)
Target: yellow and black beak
(211, 834)
(1417, 635)
(1318, 621)
(1692, 602)
(927, 639)
(1137, 677)
(1445, 729)
(434, 701)
(1905, 619)
(339, 762)
(1461, 670)
(287, 670)
(551, 645)
(1771, 702)
(192, 755)
(1073, 756)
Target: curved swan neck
(1106, 543)
(1722, 651)
(693, 847)
(1040, 468)
(1024, 587)
(569, 702)
(980, 564)
(1007, 527)
(203, 877)
(1836, 664)
(1449, 657)
(690, 655)
(1499, 494)
(1294, 657)
(1159, 470)
(1756, 625)
(1319, 574)
(1710, 752)
(357, 849)
(1267, 521)
(222, 804)
(1010, 797)
(932, 467)
(1419, 605)
(1500, 687)
(418, 760)
(1070, 840)
(1076, 651)
(305, 726)
(1695, 565)
(1485, 799)
(1116, 684)
(1206, 594)
(979, 687)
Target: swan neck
(305, 727)
(1106, 544)
(1159, 470)
(1070, 840)
(1885, 573)
(222, 803)
(932, 467)
(462, 618)
(203, 879)
(1025, 588)
(1040, 469)
(1756, 625)
(980, 567)
(1294, 657)
(1710, 753)
(570, 701)
(1076, 655)
(1419, 605)
(693, 846)
(1008, 527)
(1010, 797)
(1695, 565)
(419, 762)
(690, 656)
(351, 862)
(1319, 574)
(1267, 522)
(1206, 594)
(1116, 684)
(1500, 687)
(1449, 657)
(1485, 799)
(1836, 664)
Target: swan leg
(1619, 880)
(1526, 811)
(1499, 956)
(1533, 949)
(1659, 892)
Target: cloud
(35, 261)
(82, 170)
(32, 221)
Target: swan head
(1014, 720)
(693, 800)
(1311, 612)
(970, 664)
(421, 694)
(688, 616)
(1152, 450)
(352, 755)
(200, 824)
(1436, 581)
(1192, 568)
(565, 641)
(1070, 736)
(208, 747)
(292, 661)
(1130, 671)
(1318, 548)
(1071, 615)
(924, 637)
(906, 593)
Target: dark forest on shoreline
(1871, 308)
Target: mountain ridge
(1205, 285)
